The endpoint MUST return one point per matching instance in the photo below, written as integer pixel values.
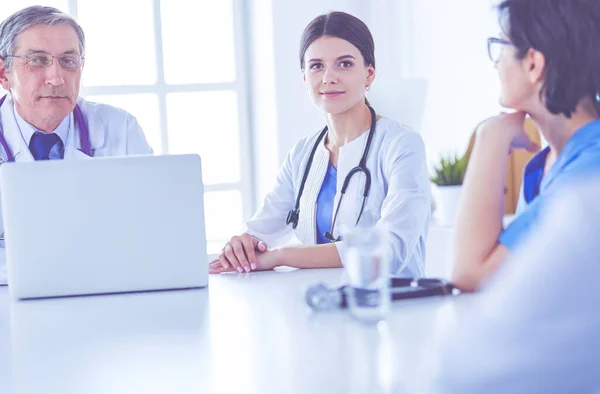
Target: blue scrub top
(532, 180)
(325, 204)
(580, 157)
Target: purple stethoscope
(80, 121)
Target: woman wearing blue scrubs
(361, 168)
(548, 61)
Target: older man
(42, 53)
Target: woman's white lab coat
(399, 199)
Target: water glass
(367, 264)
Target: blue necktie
(45, 146)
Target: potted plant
(448, 175)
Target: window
(181, 73)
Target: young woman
(360, 169)
(549, 68)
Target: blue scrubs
(532, 179)
(579, 158)
(325, 204)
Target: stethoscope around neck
(294, 215)
(80, 121)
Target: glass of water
(367, 262)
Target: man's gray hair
(22, 20)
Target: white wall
(450, 51)
(432, 71)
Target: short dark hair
(567, 33)
(340, 25)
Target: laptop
(107, 225)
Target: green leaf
(450, 170)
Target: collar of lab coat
(28, 130)
(20, 148)
(348, 157)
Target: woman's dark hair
(567, 33)
(340, 25)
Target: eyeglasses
(496, 47)
(42, 60)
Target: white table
(249, 333)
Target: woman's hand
(240, 253)
(479, 222)
(509, 126)
(266, 260)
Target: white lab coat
(399, 200)
(113, 132)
